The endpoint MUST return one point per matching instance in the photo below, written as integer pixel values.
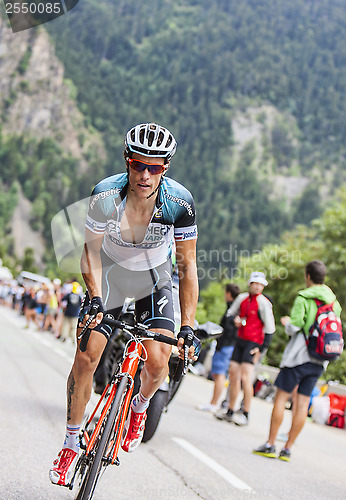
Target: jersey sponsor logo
(186, 235)
(144, 315)
(158, 214)
(162, 303)
(103, 195)
(145, 245)
(157, 229)
(181, 202)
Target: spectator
(223, 352)
(29, 306)
(41, 304)
(298, 369)
(73, 302)
(50, 321)
(253, 316)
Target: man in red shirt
(253, 316)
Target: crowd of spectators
(46, 306)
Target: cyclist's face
(143, 184)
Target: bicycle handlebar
(139, 329)
(143, 331)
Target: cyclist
(132, 221)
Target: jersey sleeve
(266, 315)
(185, 227)
(96, 220)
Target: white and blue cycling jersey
(173, 218)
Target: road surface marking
(224, 473)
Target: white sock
(139, 403)
(72, 437)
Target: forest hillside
(254, 92)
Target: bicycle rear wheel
(93, 468)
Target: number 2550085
(33, 8)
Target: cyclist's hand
(96, 309)
(195, 348)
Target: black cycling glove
(96, 306)
(186, 332)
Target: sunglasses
(140, 166)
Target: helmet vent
(141, 135)
(160, 138)
(151, 137)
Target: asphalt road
(192, 456)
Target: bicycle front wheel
(94, 466)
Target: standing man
(132, 222)
(223, 352)
(72, 302)
(253, 316)
(298, 369)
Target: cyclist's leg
(79, 384)
(155, 310)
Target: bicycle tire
(173, 388)
(157, 404)
(89, 482)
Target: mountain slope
(253, 91)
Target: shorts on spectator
(241, 353)
(221, 360)
(304, 376)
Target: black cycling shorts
(151, 289)
(241, 353)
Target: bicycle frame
(128, 369)
(101, 445)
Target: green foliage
(212, 305)
(191, 65)
(24, 62)
(49, 178)
(28, 262)
(332, 227)
(337, 370)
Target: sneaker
(265, 451)
(207, 407)
(222, 415)
(133, 430)
(63, 467)
(285, 455)
(240, 419)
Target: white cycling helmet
(150, 139)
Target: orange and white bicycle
(101, 435)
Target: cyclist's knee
(87, 361)
(156, 367)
